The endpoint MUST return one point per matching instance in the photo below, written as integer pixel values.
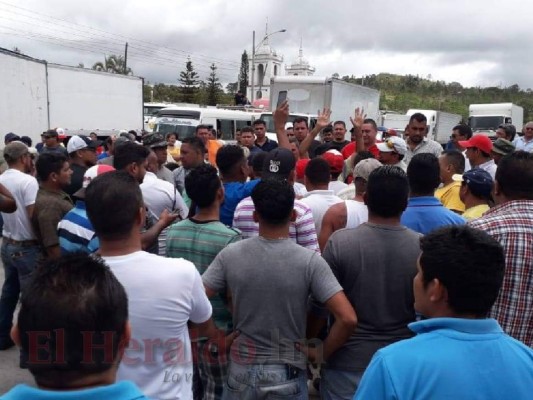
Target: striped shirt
(302, 231)
(75, 231)
(511, 223)
(199, 242)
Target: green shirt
(200, 242)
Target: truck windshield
(183, 131)
(485, 123)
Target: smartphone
(282, 96)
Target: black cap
(278, 164)
(154, 140)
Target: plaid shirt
(511, 223)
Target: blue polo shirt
(234, 193)
(451, 358)
(123, 390)
(426, 213)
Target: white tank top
(356, 213)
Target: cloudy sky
(474, 42)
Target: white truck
(440, 123)
(395, 121)
(485, 118)
(309, 94)
(37, 96)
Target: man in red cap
(336, 164)
(478, 149)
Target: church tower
(267, 64)
(300, 66)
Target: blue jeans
(338, 384)
(19, 262)
(265, 381)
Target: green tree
(114, 64)
(213, 86)
(232, 87)
(243, 73)
(189, 82)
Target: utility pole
(126, 60)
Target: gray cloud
(475, 43)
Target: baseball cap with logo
(503, 147)
(393, 144)
(364, 168)
(278, 164)
(480, 142)
(335, 160)
(478, 181)
(79, 143)
(89, 175)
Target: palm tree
(113, 64)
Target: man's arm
(149, 236)
(357, 123)
(280, 115)
(333, 221)
(340, 331)
(321, 123)
(7, 202)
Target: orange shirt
(212, 148)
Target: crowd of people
(186, 268)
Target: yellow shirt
(173, 154)
(449, 196)
(476, 211)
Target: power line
(76, 28)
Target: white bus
(184, 120)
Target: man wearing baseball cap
(392, 152)
(476, 187)
(52, 143)
(158, 144)
(75, 231)
(336, 164)
(279, 164)
(478, 149)
(82, 153)
(501, 147)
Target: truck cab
(485, 118)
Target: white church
(268, 63)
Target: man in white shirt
(160, 195)
(318, 197)
(20, 248)
(478, 150)
(525, 142)
(164, 294)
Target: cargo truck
(37, 96)
(485, 118)
(309, 94)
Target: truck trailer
(37, 96)
(308, 95)
(485, 118)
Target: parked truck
(440, 124)
(309, 94)
(37, 96)
(485, 118)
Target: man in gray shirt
(270, 278)
(375, 264)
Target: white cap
(393, 143)
(78, 143)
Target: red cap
(481, 142)
(335, 160)
(300, 167)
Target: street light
(253, 58)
